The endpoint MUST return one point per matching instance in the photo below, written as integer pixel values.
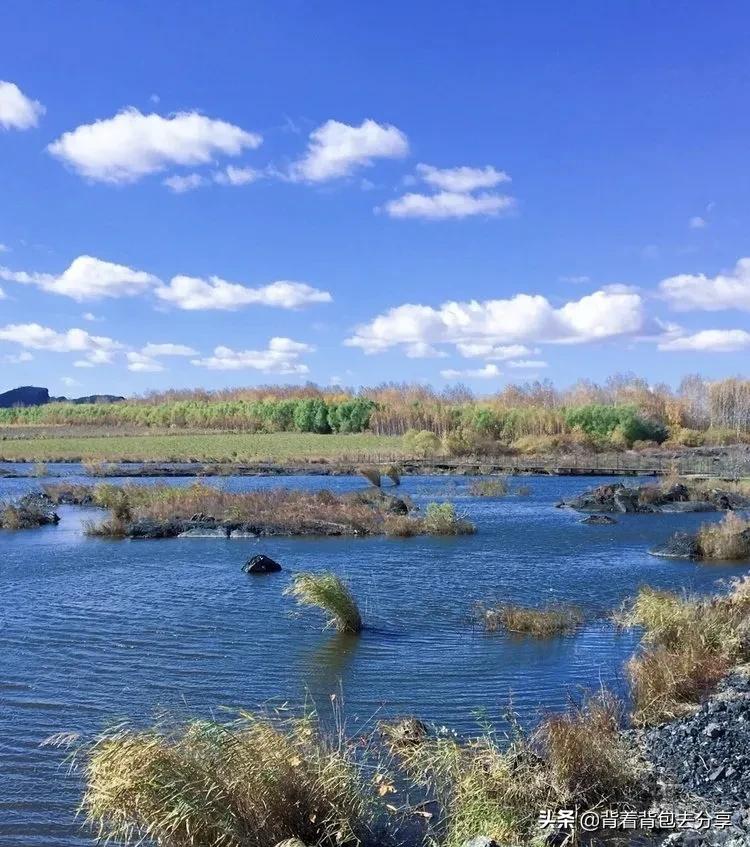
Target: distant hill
(31, 395)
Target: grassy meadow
(49, 446)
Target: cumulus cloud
(489, 371)
(522, 319)
(182, 184)
(193, 293)
(233, 175)
(727, 290)
(498, 352)
(139, 363)
(167, 349)
(131, 145)
(697, 222)
(17, 358)
(448, 204)
(280, 357)
(461, 180)
(17, 111)
(87, 278)
(96, 349)
(337, 149)
(709, 341)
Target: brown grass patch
(524, 620)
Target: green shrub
(326, 591)
(442, 519)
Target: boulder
(203, 532)
(598, 520)
(261, 564)
(682, 545)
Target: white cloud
(139, 363)
(87, 278)
(97, 349)
(192, 293)
(420, 350)
(337, 149)
(83, 363)
(697, 222)
(281, 357)
(233, 175)
(17, 111)
(530, 364)
(709, 341)
(182, 184)
(522, 319)
(17, 359)
(448, 204)
(461, 180)
(69, 381)
(498, 352)
(727, 290)
(4, 248)
(489, 371)
(131, 145)
(90, 316)
(152, 350)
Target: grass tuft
(540, 623)
(372, 475)
(489, 487)
(328, 592)
(727, 540)
(442, 519)
(250, 783)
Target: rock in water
(598, 520)
(682, 545)
(261, 564)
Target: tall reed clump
(393, 473)
(589, 761)
(443, 519)
(727, 540)
(538, 622)
(689, 643)
(250, 783)
(328, 592)
(372, 475)
(494, 786)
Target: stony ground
(702, 764)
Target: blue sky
(233, 194)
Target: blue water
(92, 631)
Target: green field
(202, 447)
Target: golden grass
(372, 475)
(690, 642)
(589, 759)
(538, 622)
(489, 487)
(250, 783)
(328, 592)
(727, 540)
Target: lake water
(93, 631)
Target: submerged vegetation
(489, 487)
(328, 592)
(539, 622)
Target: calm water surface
(93, 631)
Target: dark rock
(599, 520)
(651, 498)
(261, 564)
(382, 501)
(682, 545)
(713, 730)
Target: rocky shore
(701, 766)
(28, 512)
(694, 496)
